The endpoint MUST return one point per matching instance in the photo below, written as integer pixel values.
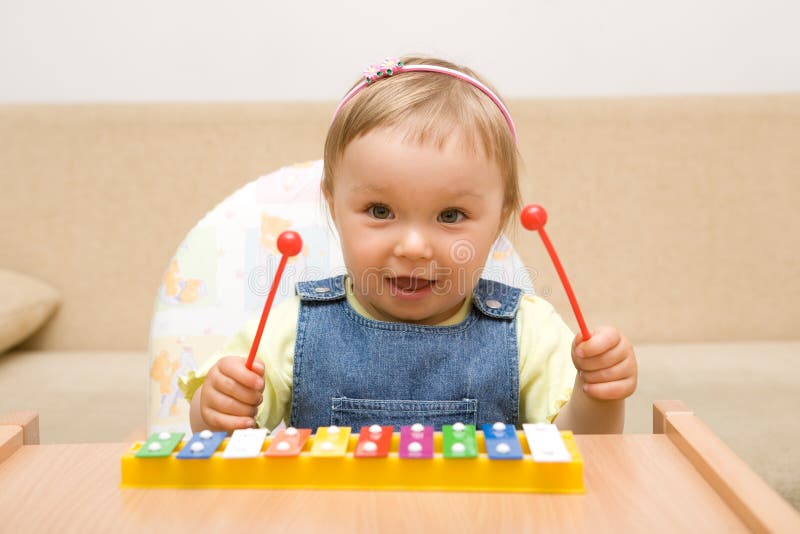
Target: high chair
(221, 273)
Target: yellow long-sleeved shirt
(546, 372)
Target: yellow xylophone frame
(350, 473)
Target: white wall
(107, 50)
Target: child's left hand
(606, 364)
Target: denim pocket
(356, 413)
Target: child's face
(416, 223)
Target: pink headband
(393, 66)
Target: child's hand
(606, 363)
(231, 394)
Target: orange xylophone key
(288, 442)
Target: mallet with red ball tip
(289, 244)
(534, 217)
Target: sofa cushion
(25, 305)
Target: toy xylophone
(497, 458)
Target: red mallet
(534, 217)
(289, 244)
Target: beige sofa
(675, 218)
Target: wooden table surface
(634, 482)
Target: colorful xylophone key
(374, 442)
(202, 445)
(160, 445)
(502, 442)
(331, 441)
(245, 443)
(546, 443)
(459, 441)
(416, 441)
(288, 442)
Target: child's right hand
(231, 394)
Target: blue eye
(379, 211)
(450, 216)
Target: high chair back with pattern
(222, 271)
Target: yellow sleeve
(546, 372)
(276, 350)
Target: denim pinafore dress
(353, 371)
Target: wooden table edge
(760, 507)
(28, 421)
(10, 440)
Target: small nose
(413, 244)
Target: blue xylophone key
(202, 445)
(502, 442)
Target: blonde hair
(428, 107)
